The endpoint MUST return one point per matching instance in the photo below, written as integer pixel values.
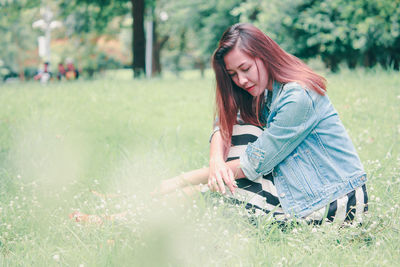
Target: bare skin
(191, 180)
(95, 219)
(189, 183)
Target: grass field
(118, 136)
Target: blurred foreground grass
(115, 135)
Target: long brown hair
(280, 65)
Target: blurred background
(141, 112)
(151, 37)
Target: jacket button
(282, 195)
(274, 173)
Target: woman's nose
(242, 80)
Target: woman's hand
(221, 175)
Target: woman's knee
(242, 134)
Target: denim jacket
(307, 149)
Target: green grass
(122, 136)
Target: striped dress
(260, 196)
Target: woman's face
(246, 72)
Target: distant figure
(44, 75)
(72, 73)
(61, 71)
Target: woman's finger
(232, 183)
(211, 183)
(227, 179)
(220, 183)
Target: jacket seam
(278, 154)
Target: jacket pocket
(314, 165)
(302, 176)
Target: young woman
(278, 145)
(303, 163)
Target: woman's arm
(294, 119)
(216, 147)
(195, 177)
(220, 172)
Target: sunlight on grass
(119, 137)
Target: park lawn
(121, 137)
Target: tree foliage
(354, 32)
(194, 28)
(16, 19)
(87, 21)
(358, 32)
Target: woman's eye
(232, 74)
(247, 69)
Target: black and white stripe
(349, 207)
(261, 196)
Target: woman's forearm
(216, 147)
(222, 173)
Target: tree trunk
(157, 46)
(331, 62)
(202, 67)
(182, 45)
(139, 40)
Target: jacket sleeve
(293, 119)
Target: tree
(87, 22)
(17, 40)
(358, 32)
(93, 17)
(193, 29)
(139, 40)
(159, 40)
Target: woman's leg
(242, 134)
(350, 207)
(259, 195)
(96, 219)
(187, 182)
(346, 209)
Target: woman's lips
(248, 89)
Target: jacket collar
(269, 99)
